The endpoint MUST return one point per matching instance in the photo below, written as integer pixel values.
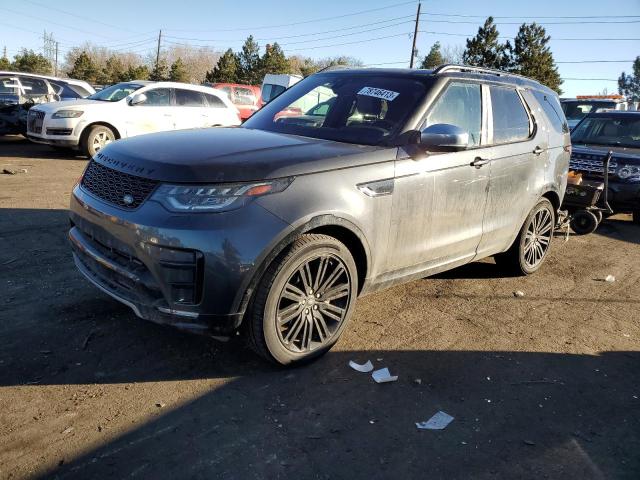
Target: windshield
(363, 109)
(577, 110)
(614, 131)
(115, 92)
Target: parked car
(280, 226)
(575, 109)
(128, 109)
(20, 91)
(615, 131)
(246, 98)
(274, 84)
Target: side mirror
(137, 99)
(444, 137)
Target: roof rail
(452, 67)
(335, 67)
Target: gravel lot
(544, 386)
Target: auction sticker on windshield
(378, 93)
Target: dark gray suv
(349, 182)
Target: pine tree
(160, 72)
(30, 62)
(249, 63)
(5, 64)
(178, 72)
(274, 61)
(484, 50)
(532, 57)
(433, 58)
(225, 71)
(139, 72)
(629, 85)
(112, 72)
(84, 68)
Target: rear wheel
(304, 300)
(529, 250)
(584, 222)
(96, 138)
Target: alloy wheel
(100, 140)
(313, 303)
(538, 237)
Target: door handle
(537, 150)
(479, 162)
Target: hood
(71, 104)
(232, 154)
(621, 153)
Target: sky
(378, 32)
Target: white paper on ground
(610, 279)
(383, 375)
(439, 421)
(364, 368)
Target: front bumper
(624, 197)
(64, 132)
(189, 271)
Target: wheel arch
(337, 227)
(87, 128)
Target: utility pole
(158, 51)
(56, 67)
(415, 37)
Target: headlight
(216, 197)
(67, 114)
(629, 172)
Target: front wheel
(304, 300)
(95, 139)
(531, 246)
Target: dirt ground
(544, 386)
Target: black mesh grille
(121, 189)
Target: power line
(529, 17)
(551, 38)
(301, 23)
(92, 19)
(590, 22)
(274, 38)
(53, 23)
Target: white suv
(128, 109)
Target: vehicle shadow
(517, 415)
(21, 147)
(620, 227)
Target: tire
(584, 222)
(312, 322)
(525, 257)
(95, 138)
(599, 215)
(636, 217)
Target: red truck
(246, 98)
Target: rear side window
(34, 86)
(69, 91)
(269, 91)
(214, 101)
(459, 105)
(189, 98)
(244, 96)
(552, 110)
(510, 119)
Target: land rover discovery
(275, 228)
